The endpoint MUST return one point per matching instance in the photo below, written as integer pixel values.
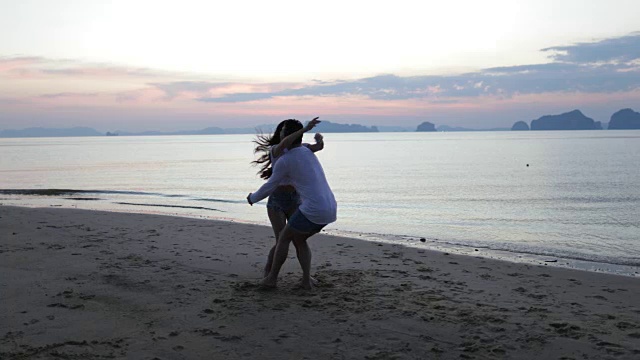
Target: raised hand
(318, 137)
(311, 124)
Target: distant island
(325, 126)
(429, 127)
(520, 126)
(446, 128)
(329, 127)
(44, 132)
(624, 119)
(572, 120)
(576, 120)
(426, 127)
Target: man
(299, 167)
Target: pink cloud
(32, 67)
(8, 64)
(67, 85)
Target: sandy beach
(81, 284)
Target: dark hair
(291, 127)
(265, 142)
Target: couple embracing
(300, 203)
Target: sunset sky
(179, 65)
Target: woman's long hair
(263, 145)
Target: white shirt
(301, 168)
(274, 159)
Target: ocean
(558, 198)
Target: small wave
(558, 200)
(512, 249)
(221, 201)
(60, 192)
(63, 192)
(171, 206)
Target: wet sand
(82, 284)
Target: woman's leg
(279, 257)
(278, 221)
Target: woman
(284, 201)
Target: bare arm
(289, 139)
(279, 170)
(319, 145)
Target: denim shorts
(285, 201)
(300, 223)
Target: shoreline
(406, 240)
(98, 284)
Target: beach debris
(423, 239)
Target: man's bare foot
(268, 283)
(307, 285)
(313, 280)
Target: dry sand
(94, 285)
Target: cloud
(176, 88)
(578, 68)
(11, 101)
(68, 95)
(10, 63)
(97, 71)
(33, 67)
(623, 49)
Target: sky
(181, 65)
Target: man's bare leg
(304, 257)
(290, 213)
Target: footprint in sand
(537, 296)
(623, 325)
(567, 330)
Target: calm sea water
(577, 202)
